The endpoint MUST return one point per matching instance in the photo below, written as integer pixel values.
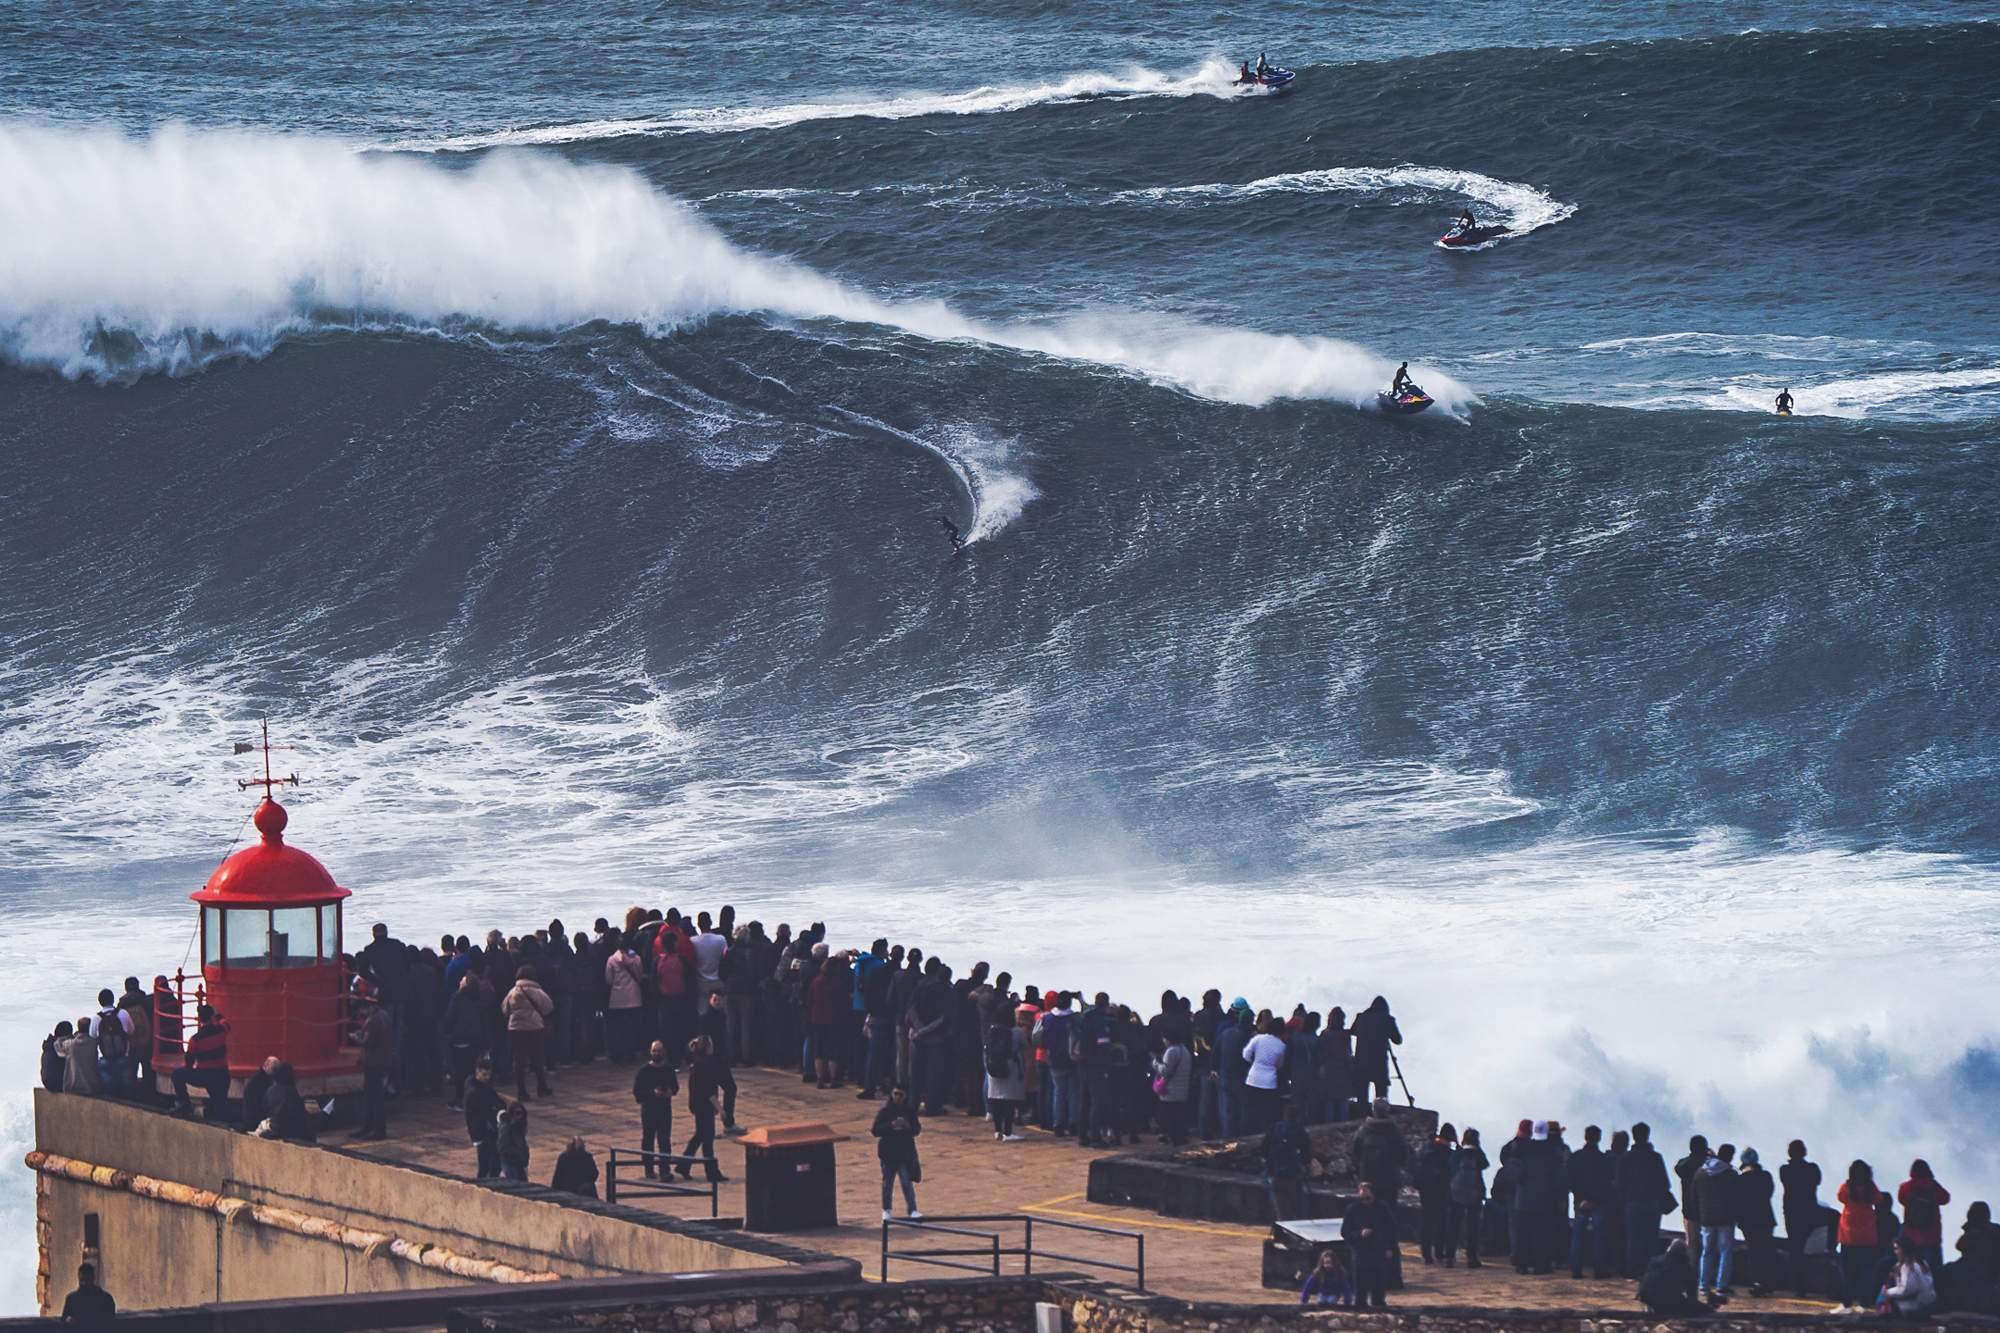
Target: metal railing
(661, 1184)
(263, 1033)
(993, 1251)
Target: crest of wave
(134, 254)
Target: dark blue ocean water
(545, 414)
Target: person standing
(1923, 1201)
(482, 1117)
(1757, 1220)
(1647, 1196)
(625, 980)
(527, 1009)
(1264, 1055)
(1538, 1192)
(654, 1087)
(895, 1129)
(1432, 1176)
(704, 1103)
(112, 1027)
(1006, 1057)
(378, 1051)
(1052, 1033)
(1237, 1027)
(1468, 1199)
(1375, 1031)
(1365, 1227)
(1686, 1170)
(1333, 1067)
(1590, 1192)
(1715, 1186)
(1860, 1239)
(464, 1034)
(1173, 1084)
(1800, 1180)
(513, 1142)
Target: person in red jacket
(1860, 1240)
(1923, 1222)
(826, 999)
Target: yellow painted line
(1050, 1203)
(1147, 1225)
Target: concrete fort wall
(304, 1223)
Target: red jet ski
(1470, 238)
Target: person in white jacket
(1911, 1288)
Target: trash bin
(788, 1178)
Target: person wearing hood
(1715, 1186)
(1238, 1026)
(285, 1108)
(1375, 1031)
(1976, 1271)
(1333, 1067)
(1647, 1196)
(1757, 1220)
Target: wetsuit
(1401, 381)
(1785, 402)
(957, 537)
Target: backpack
(111, 1039)
(142, 1026)
(999, 1051)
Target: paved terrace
(965, 1171)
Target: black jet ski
(1408, 401)
(1272, 79)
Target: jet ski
(1407, 402)
(1470, 238)
(1271, 80)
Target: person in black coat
(1800, 1180)
(1367, 1228)
(1646, 1194)
(1593, 1195)
(704, 1086)
(55, 1062)
(654, 1087)
(1538, 1191)
(1432, 1174)
(896, 1128)
(1374, 1032)
(257, 1096)
(1757, 1221)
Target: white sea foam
(128, 255)
(1214, 78)
(1522, 208)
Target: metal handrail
(942, 1257)
(661, 1187)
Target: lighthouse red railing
(279, 1026)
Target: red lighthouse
(270, 953)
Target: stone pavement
(965, 1171)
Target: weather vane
(267, 782)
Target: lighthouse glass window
(294, 937)
(246, 937)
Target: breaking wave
(133, 255)
(1214, 78)
(1522, 207)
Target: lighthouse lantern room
(270, 952)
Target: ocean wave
(136, 255)
(988, 471)
(1213, 78)
(1522, 207)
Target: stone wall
(204, 1248)
(944, 1305)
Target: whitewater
(161, 253)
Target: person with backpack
(1090, 1050)
(1006, 1060)
(528, 1009)
(1468, 1199)
(1923, 1201)
(138, 1006)
(1173, 1083)
(112, 1028)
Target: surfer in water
(1785, 402)
(1402, 380)
(951, 529)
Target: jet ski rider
(1465, 221)
(1401, 382)
(1243, 75)
(1785, 402)
(1263, 65)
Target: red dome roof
(270, 872)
